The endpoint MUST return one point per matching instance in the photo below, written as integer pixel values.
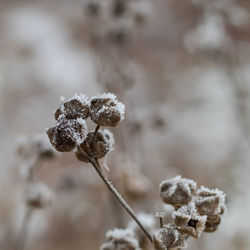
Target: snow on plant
(195, 210)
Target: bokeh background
(182, 68)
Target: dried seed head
(103, 145)
(168, 237)
(76, 107)
(120, 239)
(177, 191)
(43, 148)
(105, 110)
(39, 195)
(189, 220)
(67, 134)
(210, 201)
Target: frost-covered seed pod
(67, 134)
(189, 220)
(210, 201)
(76, 107)
(177, 191)
(39, 196)
(120, 239)
(105, 110)
(168, 237)
(104, 143)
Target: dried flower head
(120, 239)
(103, 144)
(168, 237)
(76, 107)
(105, 110)
(67, 134)
(210, 202)
(93, 7)
(189, 220)
(177, 191)
(39, 195)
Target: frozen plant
(195, 210)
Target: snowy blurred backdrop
(182, 68)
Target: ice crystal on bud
(39, 195)
(177, 191)
(105, 110)
(120, 239)
(168, 237)
(189, 220)
(67, 134)
(76, 107)
(103, 144)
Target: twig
(118, 196)
(23, 233)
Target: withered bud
(76, 107)
(39, 196)
(105, 110)
(210, 201)
(67, 134)
(177, 191)
(103, 144)
(168, 237)
(120, 239)
(43, 148)
(189, 220)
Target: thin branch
(117, 195)
(23, 233)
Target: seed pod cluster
(71, 131)
(196, 211)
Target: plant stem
(94, 161)
(22, 237)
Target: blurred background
(182, 68)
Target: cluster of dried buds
(71, 131)
(116, 19)
(196, 211)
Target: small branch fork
(95, 163)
